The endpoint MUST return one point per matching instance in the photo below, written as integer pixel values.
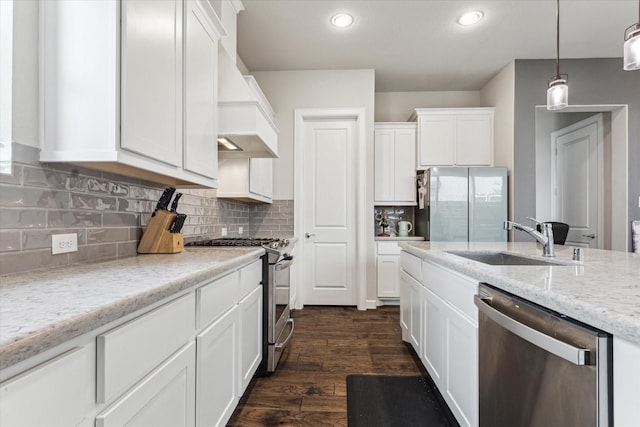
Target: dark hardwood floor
(329, 343)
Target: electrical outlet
(223, 231)
(240, 230)
(63, 243)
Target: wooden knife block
(157, 239)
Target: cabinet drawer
(129, 352)
(60, 392)
(167, 397)
(389, 248)
(412, 265)
(456, 289)
(216, 298)
(250, 277)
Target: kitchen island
(440, 321)
(602, 291)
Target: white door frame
(324, 114)
(597, 120)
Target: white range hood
(244, 115)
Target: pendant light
(632, 45)
(558, 91)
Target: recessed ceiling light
(471, 18)
(341, 20)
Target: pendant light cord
(558, 38)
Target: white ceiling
(416, 45)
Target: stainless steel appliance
(277, 324)
(462, 204)
(540, 368)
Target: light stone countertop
(399, 239)
(43, 309)
(602, 291)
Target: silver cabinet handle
(591, 236)
(307, 235)
(575, 355)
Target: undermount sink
(502, 258)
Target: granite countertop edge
(598, 310)
(23, 342)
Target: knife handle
(174, 205)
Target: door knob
(591, 236)
(307, 235)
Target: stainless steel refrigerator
(462, 204)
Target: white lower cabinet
(411, 310)
(626, 377)
(250, 309)
(433, 354)
(167, 397)
(445, 337)
(186, 362)
(387, 269)
(60, 392)
(217, 380)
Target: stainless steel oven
(279, 324)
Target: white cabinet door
(261, 177)
(405, 166)
(395, 161)
(151, 79)
(60, 392)
(434, 348)
(461, 388)
(415, 327)
(200, 91)
(436, 140)
(474, 140)
(405, 306)
(217, 364)
(246, 179)
(388, 274)
(626, 377)
(250, 337)
(384, 165)
(165, 398)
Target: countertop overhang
(602, 291)
(41, 310)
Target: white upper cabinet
(200, 91)
(151, 79)
(395, 161)
(454, 136)
(130, 87)
(248, 179)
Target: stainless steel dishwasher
(540, 368)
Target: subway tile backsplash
(108, 212)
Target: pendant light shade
(558, 93)
(632, 45)
(558, 90)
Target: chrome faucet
(545, 238)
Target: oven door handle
(284, 343)
(284, 264)
(575, 355)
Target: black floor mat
(392, 401)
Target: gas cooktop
(236, 241)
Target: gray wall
(591, 81)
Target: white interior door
(577, 151)
(329, 213)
